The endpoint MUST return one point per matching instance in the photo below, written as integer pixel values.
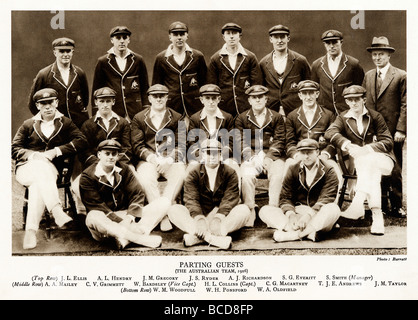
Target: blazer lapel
(372, 84)
(272, 71)
(57, 75)
(289, 64)
(388, 79)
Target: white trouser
(323, 220)
(235, 220)
(148, 175)
(41, 179)
(275, 178)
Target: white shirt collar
(337, 59)
(350, 113)
(114, 115)
(112, 51)
(218, 114)
(38, 116)
(99, 172)
(153, 113)
(384, 70)
(313, 111)
(240, 50)
(170, 52)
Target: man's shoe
(218, 241)
(29, 241)
(191, 240)
(378, 225)
(354, 211)
(283, 236)
(60, 217)
(165, 224)
(121, 243)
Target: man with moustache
(67, 79)
(125, 72)
(234, 69)
(282, 70)
(182, 70)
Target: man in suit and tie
(67, 79)
(125, 72)
(334, 72)
(182, 70)
(234, 69)
(282, 70)
(386, 93)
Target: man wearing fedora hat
(182, 70)
(114, 201)
(211, 208)
(364, 135)
(234, 69)
(335, 71)
(386, 93)
(307, 198)
(125, 72)
(69, 80)
(282, 70)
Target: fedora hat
(380, 43)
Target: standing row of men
(233, 74)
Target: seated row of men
(302, 190)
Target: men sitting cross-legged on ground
(114, 199)
(211, 197)
(307, 198)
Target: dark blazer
(286, 93)
(391, 100)
(376, 133)
(198, 197)
(234, 83)
(273, 134)
(98, 194)
(295, 192)
(73, 99)
(131, 84)
(183, 82)
(29, 138)
(297, 129)
(95, 132)
(171, 136)
(223, 134)
(349, 73)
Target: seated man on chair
(364, 135)
(262, 134)
(114, 199)
(211, 197)
(307, 198)
(39, 146)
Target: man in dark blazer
(307, 198)
(67, 79)
(334, 72)
(211, 201)
(282, 70)
(182, 70)
(234, 69)
(125, 72)
(39, 147)
(386, 93)
(114, 200)
(364, 135)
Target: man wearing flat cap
(386, 93)
(125, 72)
(39, 148)
(211, 208)
(282, 70)
(334, 72)
(234, 69)
(158, 140)
(364, 135)
(114, 201)
(182, 70)
(307, 198)
(262, 134)
(69, 80)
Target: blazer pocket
(132, 83)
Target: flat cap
(120, 30)
(210, 89)
(308, 85)
(354, 91)
(231, 26)
(63, 43)
(157, 88)
(178, 27)
(332, 35)
(380, 43)
(211, 144)
(104, 92)
(45, 94)
(109, 144)
(256, 90)
(279, 29)
(307, 144)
